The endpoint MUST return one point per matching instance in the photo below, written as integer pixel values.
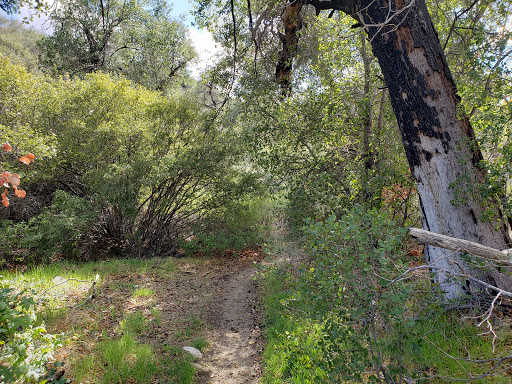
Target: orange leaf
(19, 192)
(5, 174)
(6, 147)
(25, 160)
(14, 179)
(3, 182)
(5, 200)
(30, 156)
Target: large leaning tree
(439, 141)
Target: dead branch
(72, 279)
(459, 245)
(91, 292)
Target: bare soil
(234, 355)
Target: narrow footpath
(234, 353)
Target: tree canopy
(138, 39)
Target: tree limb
(459, 245)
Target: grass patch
(83, 367)
(116, 336)
(177, 365)
(144, 292)
(200, 343)
(291, 348)
(164, 269)
(180, 371)
(134, 323)
(195, 323)
(156, 317)
(124, 360)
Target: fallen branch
(71, 279)
(466, 276)
(459, 245)
(91, 292)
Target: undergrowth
(38, 325)
(338, 319)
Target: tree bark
(368, 156)
(440, 145)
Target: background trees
(20, 44)
(140, 40)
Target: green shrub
(25, 346)
(56, 230)
(237, 225)
(154, 166)
(340, 316)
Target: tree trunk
(439, 144)
(368, 156)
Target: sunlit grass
(134, 323)
(144, 292)
(444, 345)
(125, 360)
(116, 354)
(200, 343)
(291, 347)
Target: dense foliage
(25, 346)
(152, 166)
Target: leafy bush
(57, 230)
(25, 346)
(368, 324)
(343, 288)
(152, 166)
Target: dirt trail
(234, 356)
(234, 353)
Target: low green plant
(236, 226)
(157, 317)
(134, 323)
(181, 371)
(83, 366)
(25, 346)
(124, 359)
(292, 353)
(56, 230)
(144, 292)
(343, 317)
(195, 322)
(200, 343)
(177, 365)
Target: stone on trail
(193, 351)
